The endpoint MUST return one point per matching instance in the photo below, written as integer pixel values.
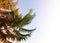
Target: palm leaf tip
(30, 12)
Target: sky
(47, 20)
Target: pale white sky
(47, 20)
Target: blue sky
(47, 20)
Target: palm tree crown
(11, 22)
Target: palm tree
(12, 23)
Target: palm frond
(26, 19)
(18, 36)
(26, 30)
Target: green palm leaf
(26, 19)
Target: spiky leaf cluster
(12, 23)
